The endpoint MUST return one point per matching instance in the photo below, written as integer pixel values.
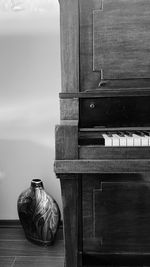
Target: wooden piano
(103, 140)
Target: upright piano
(103, 139)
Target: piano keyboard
(126, 138)
(115, 138)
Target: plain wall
(29, 103)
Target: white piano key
(126, 140)
(129, 140)
(144, 141)
(108, 140)
(148, 140)
(115, 140)
(122, 140)
(137, 140)
(148, 137)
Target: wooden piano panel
(101, 152)
(121, 39)
(88, 78)
(114, 41)
(122, 216)
(116, 213)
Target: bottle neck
(36, 183)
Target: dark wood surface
(121, 39)
(69, 109)
(102, 166)
(71, 199)
(122, 216)
(7, 261)
(69, 28)
(109, 30)
(91, 183)
(81, 79)
(129, 111)
(101, 152)
(66, 137)
(123, 260)
(88, 78)
(134, 196)
(107, 92)
(16, 250)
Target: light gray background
(29, 104)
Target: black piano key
(109, 134)
(90, 140)
(130, 134)
(121, 134)
(140, 133)
(146, 133)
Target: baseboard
(9, 223)
(16, 224)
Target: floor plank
(17, 251)
(12, 234)
(26, 248)
(18, 234)
(6, 261)
(39, 262)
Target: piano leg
(71, 198)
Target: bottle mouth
(36, 183)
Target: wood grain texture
(80, 79)
(6, 261)
(15, 250)
(102, 166)
(39, 261)
(121, 39)
(98, 152)
(69, 109)
(90, 183)
(12, 234)
(115, 92)
(66, 138)
(132, 20)
(93, 246)
(71, 199)
(69, 34)
(25, 248)
(88, 78)
(122, 216)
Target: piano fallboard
(127, 111)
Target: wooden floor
(16, 251)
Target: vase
(39, 214)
